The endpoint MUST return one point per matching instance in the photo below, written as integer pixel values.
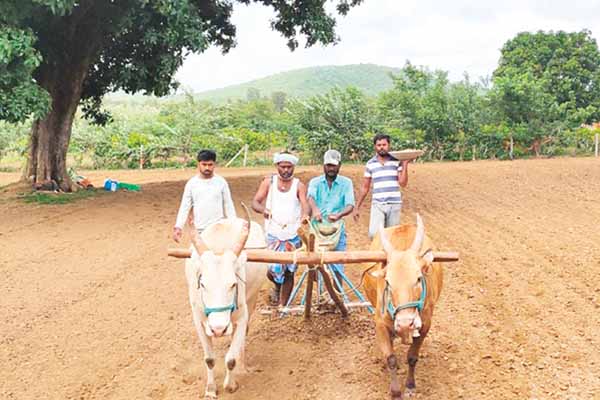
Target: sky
(457, 36)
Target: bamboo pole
(596, 149)
(315, 257)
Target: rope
(362, 281)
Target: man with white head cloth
(281, 199)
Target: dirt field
(91, 308)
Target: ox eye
(419, 280)
(233, 286)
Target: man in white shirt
(207, 193)
(281, 198)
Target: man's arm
(184, 211)
(364, 190)
(311, 195)
(403, 175)
(260, 198)
(303, 201)
(228, 206)
(348, 203)
(315, 212)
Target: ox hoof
(231, 386)
(211, 392)
(410, 393)
(396, 394)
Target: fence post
(236, 156)
(245, 154)
(512, 144)
(596, 149)
(142, 156)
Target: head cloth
(285, 157)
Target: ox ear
(380, 273)
(428, 260)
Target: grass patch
(59, 198)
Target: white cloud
(455, 36)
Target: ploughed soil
(91, 307)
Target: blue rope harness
(209, 310)
(394, 310)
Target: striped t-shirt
(384, 179)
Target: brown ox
(395, 289)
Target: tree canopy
(58, 54)
(550, 76)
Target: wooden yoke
(315, 257)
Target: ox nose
(404, 322)
(218, 330)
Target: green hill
(371, 79)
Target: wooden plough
(316, 260)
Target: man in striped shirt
(386, 174)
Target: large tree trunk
(50, 136)
(62, 74)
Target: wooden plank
(314, 258)
(311, 279)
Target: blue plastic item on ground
(111, 185)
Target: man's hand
(334, 217)
(266, 213)
(177, 234)
(355, 215)
(405, 164)
(318, 217)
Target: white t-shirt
(210, 198)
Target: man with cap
(281, 199)
(331, 198)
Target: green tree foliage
(419, 102)
(342, 119)
(19, 94)
(547, 82)
(77, 51)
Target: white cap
(332, 157)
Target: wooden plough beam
(315, 257)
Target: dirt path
(92, 309)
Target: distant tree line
(542, 99)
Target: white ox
(223, 288)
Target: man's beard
(331, 175)
(207, 173)
(286, 176)
(382, 152)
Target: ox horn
(244, 234)
(197, 241)
(419, 235)
(385, 242)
